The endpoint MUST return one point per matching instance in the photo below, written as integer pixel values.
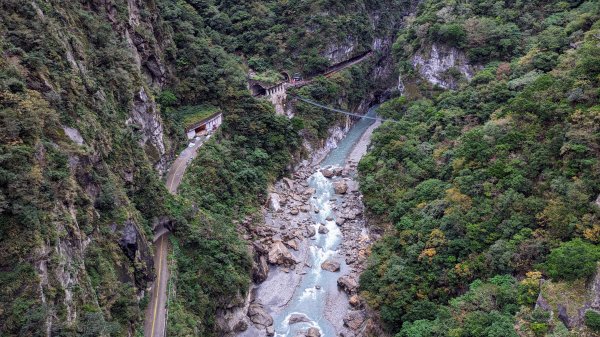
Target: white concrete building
(205, 126)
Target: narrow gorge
(300, 168)
(315, 239)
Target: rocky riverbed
(309, 249)
(282, 248)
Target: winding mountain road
(155, 321)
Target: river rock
(274, 202)
(294, 211)
(259, 316)
(327, 172)
(348, 284)
(270, 331)
(340, 221)
(298, 318)
(292, 244)
(305, 208)
(310, 231)
(329, 218)
(289, 183)
(337, 171)
(323, 229)
(280, 255)
(354, 301)
(340, 187)
(330, 265)
(313, 332)
(354, 319)
(309, 191)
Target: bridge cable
(306, 100)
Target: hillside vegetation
(486, 189)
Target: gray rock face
(433, 65)
(542, 304)
(563, 316)
(280, 255)
(348, 284)
(134, 246)
(146, 116)
(260, 269)
(340, 187)
(330, 265)
(73, 134)
(259, 316)
(595, 288)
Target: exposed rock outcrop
(440, 64)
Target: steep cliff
(82, 142)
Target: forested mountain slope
(491, 179)
(93, 95)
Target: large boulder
(274, 202)
(330, 265)
(354, 301)
(327, 172)
(259, 316)
(298, 318)
(354, 319)
(340, 187)
(323, 229)
(348, 284)
(313, 332)
(280, 255)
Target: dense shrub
(572, 260)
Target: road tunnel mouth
(258, 90)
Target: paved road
(155, 322)
(177, 170)
(156, 313)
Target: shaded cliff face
(81, 140)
